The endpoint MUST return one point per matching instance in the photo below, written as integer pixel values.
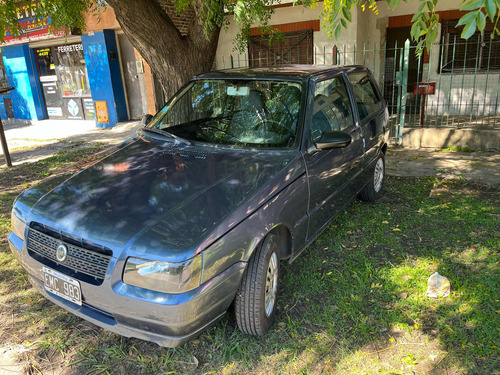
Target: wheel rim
(271, 284)
(378, 175)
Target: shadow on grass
(353, 302)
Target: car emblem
(62, 253)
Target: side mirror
(331, 139)
(146, 119)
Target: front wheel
(255, 303)
(373, 190)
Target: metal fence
(457, 84)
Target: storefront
(64, 81)
(64, 78)
(60, 74)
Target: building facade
(464, 76)
(95, 76)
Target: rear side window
(332, 109)
(367, 99)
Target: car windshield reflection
(234, 112)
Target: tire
(373, 190)
(255, 302)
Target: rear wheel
(373, 190)
(255, 302)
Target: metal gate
(395, 86)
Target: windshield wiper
(164, 132)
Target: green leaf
(491, 8)
(472, 5)
(467, 18)
(430, 5)
(421, 6)
(344, 23)
(469, 29)
(415, 31)
(431, 36)
(422, 24)
(415, 17)
(481, 21)
(347, 14)
(425, 16)
(337, 32)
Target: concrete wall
(478, 140)
(106, 20)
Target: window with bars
(293, 48)
(478, 52)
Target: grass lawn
(353, 303)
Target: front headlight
(164, 277)
(17, 225)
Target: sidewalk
(481, 167)
(35, 142)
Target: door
(371, 113)
(333, 175)
(132, 78)
(50, 84)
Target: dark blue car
(157, 237)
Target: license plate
(62, 286)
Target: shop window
(463, 55)
(71, 70)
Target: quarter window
(332, 109)
(367, 99)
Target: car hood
(162, 199)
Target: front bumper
(166, 319)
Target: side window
(367, 99)
(332, 109)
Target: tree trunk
(174, 58)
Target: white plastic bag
(438, 286)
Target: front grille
(85, 261)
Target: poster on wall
(101, 108)
(88, 107)
(73, 109)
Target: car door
(371, 111)
(331, 173)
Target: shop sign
(30, 26)
(54, 111)
(70, 48)
(88, 107)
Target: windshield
(234, 112)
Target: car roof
(300, 72)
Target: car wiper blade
(164, 132)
